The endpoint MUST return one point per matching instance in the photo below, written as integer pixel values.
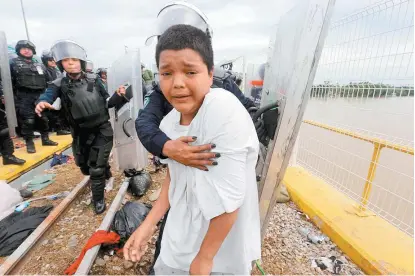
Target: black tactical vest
(86, 107)
(29, 75)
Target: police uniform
(99, 72)
(57, 122)
(29, 81)
(6, 143)
(85, 102)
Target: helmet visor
(174, 15)
(67, 49)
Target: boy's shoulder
(169, 120)
(221, 102)
(221, 98)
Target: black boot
(30, 146)
(63, 132)
(47, 142)
(99, 206)
(12, 160)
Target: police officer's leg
(42, 124)
(7, 148)
(59, 123)
(64, 121)
(97, 162)
(27, 114)
(80, 153)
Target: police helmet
(68, 49)
(25, 44)
(100, 71)
(179, 12)
(46, 56)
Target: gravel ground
(61, 245)
(285, 251)
(115, 265)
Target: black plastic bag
(127, 220)
(140, 181)
(15, 228)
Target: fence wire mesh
(364, 85)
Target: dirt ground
(67, 177)
(115, 265)
(63, 242)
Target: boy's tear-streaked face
(184, 79)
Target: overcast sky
(240, 27)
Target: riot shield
(128, 151)
(7, 86)
(288, 78)
(253, 83)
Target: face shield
(89, 66)
(179, 13)
(67, 49)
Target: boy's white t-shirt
(197, 196)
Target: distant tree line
(360, 89)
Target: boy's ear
(211, 73)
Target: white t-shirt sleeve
(228, 125)
(167, 126)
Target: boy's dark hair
(180, 37)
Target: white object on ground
(10, 198)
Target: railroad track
(16, 262)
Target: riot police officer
(6, 143)
(85, 102)
(57, 122)
(52, 72)
(29, 81)
(102, 74)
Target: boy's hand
(193, 156)
(201, 265)
(136, 245)
(41, 106)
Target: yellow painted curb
(375, 245)
(11, 172)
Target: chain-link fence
(359, 123)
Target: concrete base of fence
(375, 245)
